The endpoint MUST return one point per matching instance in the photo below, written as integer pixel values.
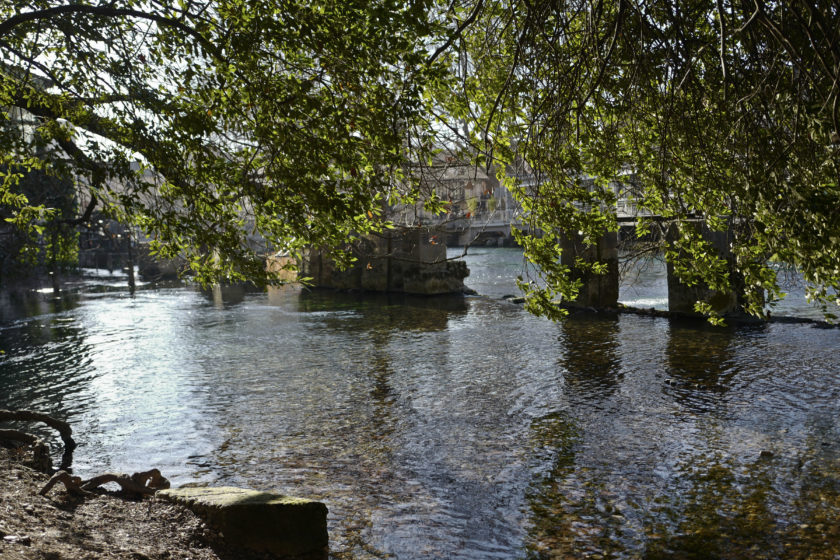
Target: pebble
(16, 539)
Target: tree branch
(457, 33)
(106, 11)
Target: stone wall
(408, 260)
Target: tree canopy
(724, 111)
(294, 120)
(278, 120)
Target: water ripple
(457, 429)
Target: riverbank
(104, 526)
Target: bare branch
(457, 33)
(9, 24)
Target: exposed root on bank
(146, 482)
(63, 428)
(41, 453)
(143, 483)
(73, 484)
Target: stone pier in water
(601, 290)
(408, 260)
(681, 298)
(598, 290)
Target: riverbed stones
(281, 525)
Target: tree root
(147, 482)
(63, 428)
(41, 450)
(143, 483)
(73, 484)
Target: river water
(452, 427)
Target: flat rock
(282, 525)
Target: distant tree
(282, 119)
(725, 110)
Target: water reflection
(590, 360)
(555, 523)
(25, 304)
(682, 459)
(382, 311)
(699, 364)
(725, 511)
(455, 428)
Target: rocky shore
(104, 526)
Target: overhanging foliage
(281, 121)
(724, 111)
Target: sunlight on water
(451, 427)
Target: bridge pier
(681, 298)
(598, 290)
(410, 260)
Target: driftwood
(143, 483)
(63, 428)
(42, 455)
(147, 482)
(73, 484)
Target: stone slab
(282, 525)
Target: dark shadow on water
(590, 358)
(569, 517)
(700, 364)
(382, 311)
(25, 303)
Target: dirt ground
(104, 526)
